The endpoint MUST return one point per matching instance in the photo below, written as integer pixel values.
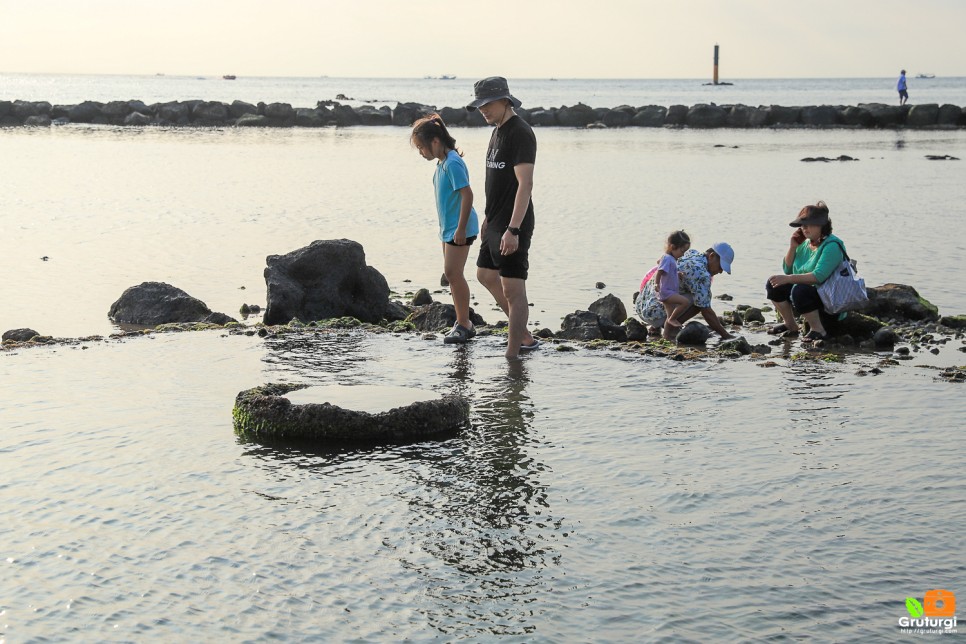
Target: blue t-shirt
(450, 177)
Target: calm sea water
(595, 496)
(306, 92)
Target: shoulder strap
(842, 248)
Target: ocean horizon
(307, 91)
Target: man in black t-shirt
(508, 226)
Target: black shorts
(469, 242)
(903, 93)
(515, 265)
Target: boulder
(237, 109)
(305, 117)
(857, 116)
(650, 116)
(174, 112)
(345, 116)
(758, 117)
(694, 333)
(609, 307)
(25, 109)
(953, 321)
(86, 112)
(5, 108)
(453, 115)
(438, 316)
(611, 331)
(475, 119)
(922, 115)
(885, 338)
(738, 344)
(579, 115)
(899, 301)
(279, 112)
(115, 111)
(581, 325)
(739, 116)
(405, 114)
(153, 303)
(949, 115)
(753, 314)
(541, 117)
(782, 115)
(885, 115)
(586, 326)
(326, 279)
(210, 113)
(858, 326)
(370, 115)
(19, 335)
(820, 115)
(676, 115)
(267, 413)
(704, 116)
(618, 117)
(634, 330)
(422, 298)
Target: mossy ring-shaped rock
(264, 413)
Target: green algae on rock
(264, 413)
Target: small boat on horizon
(229, 77)
(926, 76)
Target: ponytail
(432, 127)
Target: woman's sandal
(814, 336)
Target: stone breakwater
(197, 113)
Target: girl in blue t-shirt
(458, 223)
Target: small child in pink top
(666, 285)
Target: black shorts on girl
(469, 242)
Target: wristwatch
(514, 231)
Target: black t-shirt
(510, 145)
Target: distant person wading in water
(507, 228)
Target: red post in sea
(716, 64)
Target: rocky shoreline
(328, 286)
(198, 113)
(893, 340)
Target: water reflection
(480, 516)
(816, 407)
(315, 356)
(468, 517)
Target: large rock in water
(587, 326)
(899, 301)
(153, 303)
(694, 333)
(277, 411)
(326, 279)
(610, 307)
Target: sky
(521, 39)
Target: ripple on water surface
(620, 496)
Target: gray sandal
(459, 335)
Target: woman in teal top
(814, 253)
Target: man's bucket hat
(491, 89)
